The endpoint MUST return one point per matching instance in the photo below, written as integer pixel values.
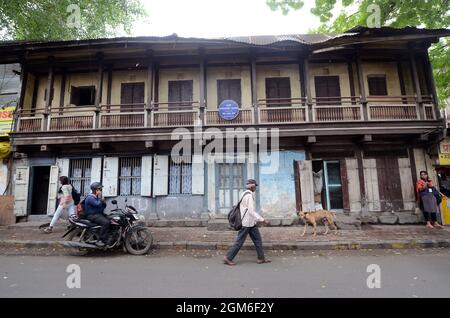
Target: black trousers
(240, 239)
(104, 222)
(430, 217)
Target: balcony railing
(122, 116)
(337, 109)
(188, 114)
(282, 111)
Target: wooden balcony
(266, 112)
(282, 111)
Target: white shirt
(247, 207)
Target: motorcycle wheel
(138, 241)
(75, 236)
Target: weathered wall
(28, 99)
(371, 185)
(220, 73)
(277, 189)
(179, 207)
(354, 189)
(142, 204)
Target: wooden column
(415, 77)
(202, 68)
(254, 88)
(362, 86)
(301, 74)
(62, 91)
(431, 83)
(99, 90)
(49, 96)
(149, 104)
(351, 80)
(156, 99)
(402, 81)
(23, 81)
(308, 89)
(109, 87)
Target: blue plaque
(228, 109)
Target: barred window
(130, 176)
(180, 175)
(80, 175)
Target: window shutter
(146, 176)
(306, 185)
(74, 95)
(21, 191)
(161, 175)
(198, 179)
(63, 165)
(110, 176)
(96, 169)
(52, 189)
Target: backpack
(80, 210)
(234, 216)
(76, 196)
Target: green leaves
(395, 13)
(285, 5)
(53, 19)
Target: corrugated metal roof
(307, 39)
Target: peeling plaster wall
(277, 189)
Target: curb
(184, 245)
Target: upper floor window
(132, 97)
(278, 91)
(328, 90)
(180, 175)
(180, 94)
(130, 176)
(377, 85)
(229, 89)
(82, 95)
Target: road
(403, 273)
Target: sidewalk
(23, 235)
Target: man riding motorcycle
(94, 205)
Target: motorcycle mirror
(114, 201)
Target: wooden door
(132, 97)
(229, 90)
(328, 90)
(389, 184)
(180, 95)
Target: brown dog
(313, 218)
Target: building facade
(344, 121)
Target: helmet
(95, 186)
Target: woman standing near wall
(429, 198)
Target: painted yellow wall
(288, 70)
(185, 74)
(40, 102)
(388, 69)
(220, 73)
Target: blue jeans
(240, 239)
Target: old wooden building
(355, 114)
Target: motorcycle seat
(86, 222)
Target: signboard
(228, 109)
(444, 152)
(6, 120)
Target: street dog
(313, 218)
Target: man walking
(249, 226)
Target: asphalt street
(403, 273)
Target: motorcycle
(127, 230)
